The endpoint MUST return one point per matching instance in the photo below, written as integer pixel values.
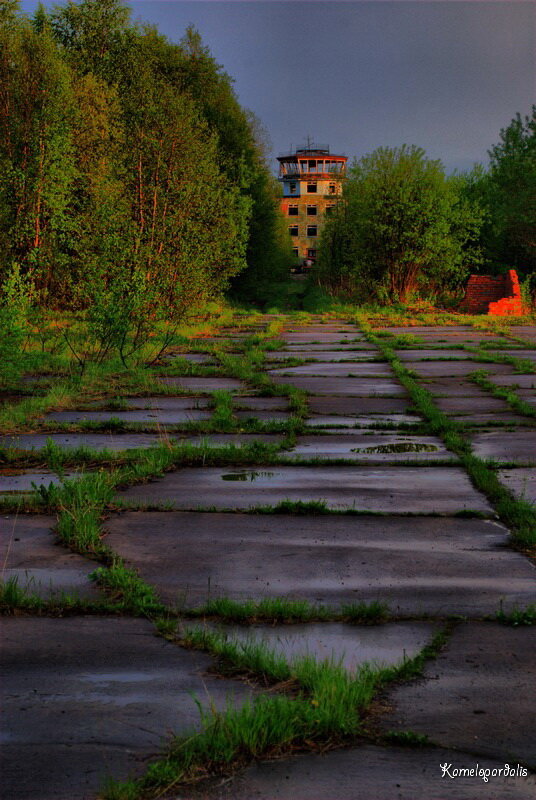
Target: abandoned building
(495, 296)
(312, 182)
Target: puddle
(245, 476)
(399, 447)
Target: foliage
(126, 157)
(402, 225)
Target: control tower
(312, 183)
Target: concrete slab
(444, 368)
(86, 698)
(361, 421)
(348, 645)
(478, 695)
(434, 565)
(262, 416)
(323, 355)
(357, 405)
(521, 481)
(323, 337)
(261, 403)
(96, 441)
(523, 381)
(461, 404)
(491, 418)
(29, 552)
(193, 358)
(339, 347)
(154, 416)
(372, 447)
(166, 403)
(366, 369)
(526, 331)
(529, 355)
(391, 489)
(455, 387)
(506, 445)
(370, 387)
(204, 384)
(224, 439)
(367, 773)
(436, 354)
(15, 481)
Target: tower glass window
(293, 230)
(293, 211)
(311, 230)
(311, 187)
(311, 211)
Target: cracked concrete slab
(517, 445)
(336, 642)
(367, 387)
(325, 420)
(23, 481)
(323, 369)
(369, 772)
(331, 405)
(477, 695)
(522, 481)
(201, 384)
(167, 403)
(379, 488)
(372, 446)
(154, 416)
(417, 565)
(96, 441)
(330, 356)
(30, 553)
(87, 697)
(523, 381)
(447, 368)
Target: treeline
(404, 228)
(127, 165)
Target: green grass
(323, 706)
(517, 616)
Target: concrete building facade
(312, 181)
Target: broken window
(293, 211)
(293, 230)
(329, 209)
(311, 230)
(311, 252)
(312, 166)
(311, 187)
(311, 211)
(332, 188)
(292, 188)
(295, 252)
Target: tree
(402, 224)
(511, 195)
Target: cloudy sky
(446, 75)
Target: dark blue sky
(445, 75)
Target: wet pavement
(411, 534)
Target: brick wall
(497, 296)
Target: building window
(312, 166)
(293, 211)
(293, 230)
(311, 230)
(329, 209)
(295, 252)
(311, 211)
(311, 187)
(292, 188)
(332, 188)
(303, 166)
(311, 252)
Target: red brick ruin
(498, 296)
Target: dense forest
(127, 166)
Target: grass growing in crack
(287, 611)
(506, 393)
(406, 739)
(124, 586)
(517, 616)
(516, 513)
(324, 708)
